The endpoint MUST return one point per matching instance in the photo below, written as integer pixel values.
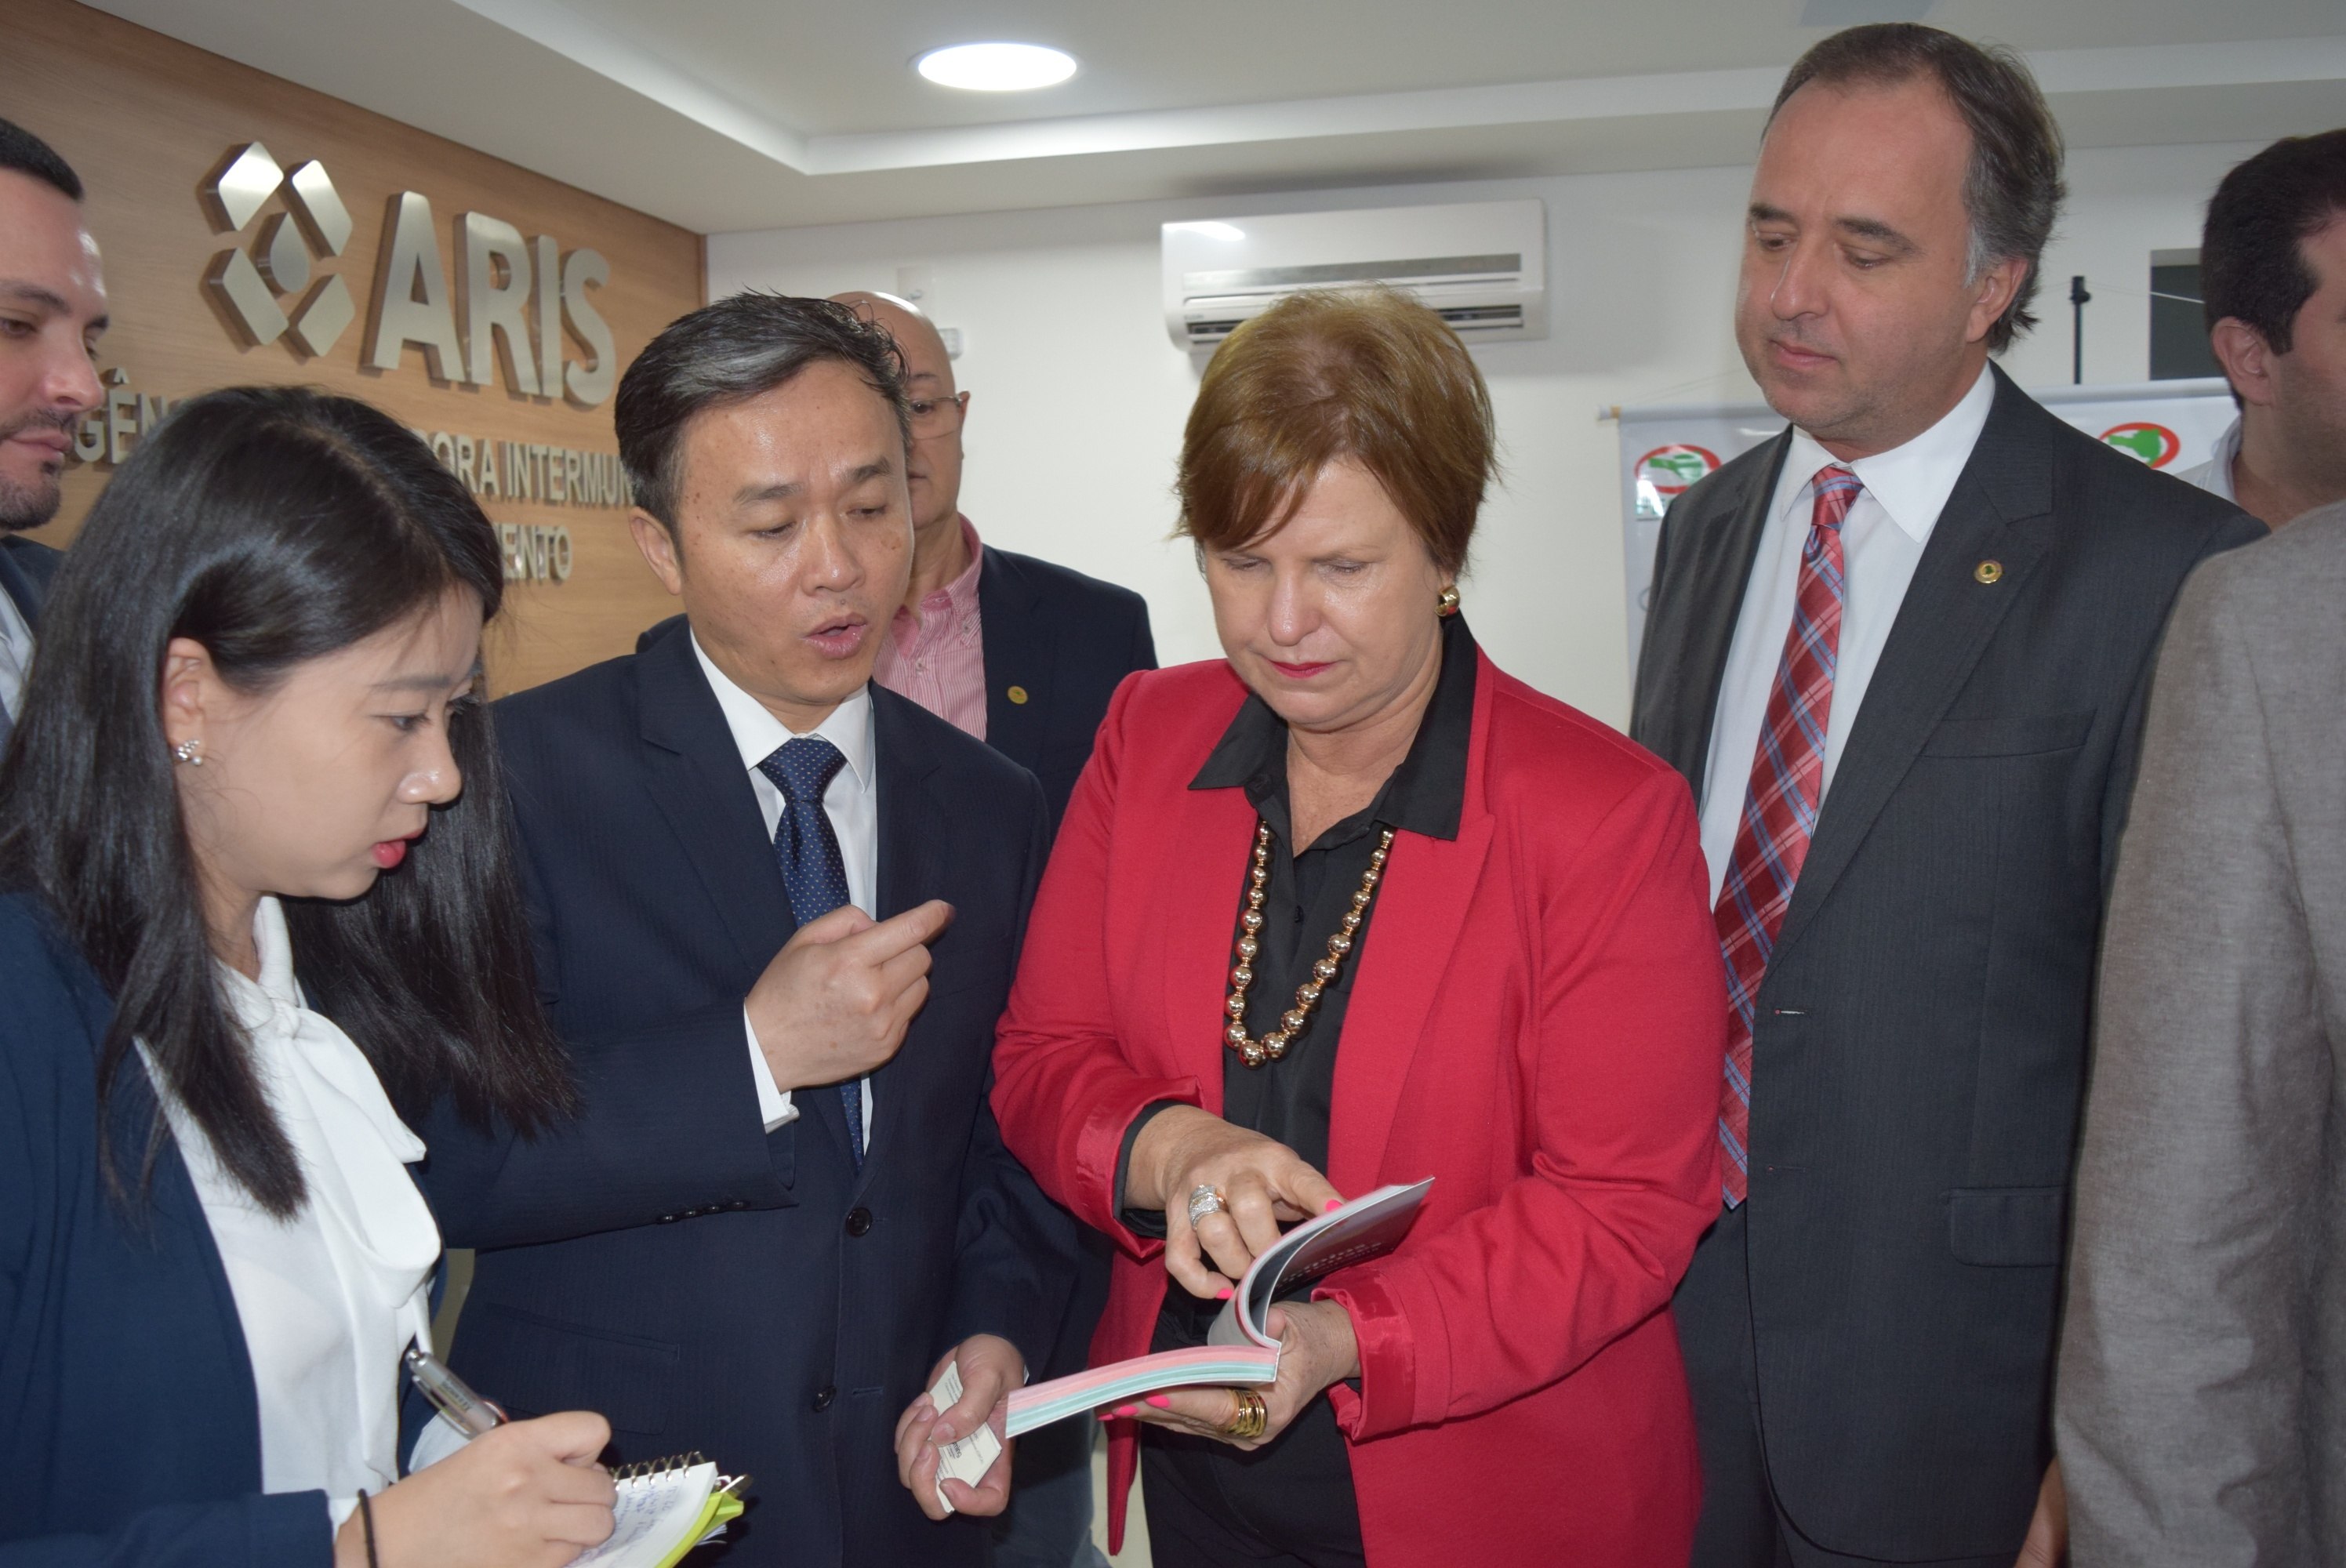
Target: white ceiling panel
(726, 114)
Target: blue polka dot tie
(812, 867)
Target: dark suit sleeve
(1144, 643)
(287, 1529)
(670, 1124)
(1014, 1254)
(2118, 790)
(1640, 703)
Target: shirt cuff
(1148, 1222)
(774, 1107)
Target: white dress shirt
(851, 801)
(330, 1299)
(15, 657)
(2215, 476)
(1882, 542)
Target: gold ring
(1252, 1420)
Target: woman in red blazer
(1529, 1007)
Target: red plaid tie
(1780, 810)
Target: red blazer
(1543, 994)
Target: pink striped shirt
(937, 657)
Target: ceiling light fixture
(1211, 230)
(996, 67)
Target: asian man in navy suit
(1025, 656)
(778, 911)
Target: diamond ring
(1203, 1200)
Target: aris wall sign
(286, 277)
(515, 298)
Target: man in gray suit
(2200, 1419)
(1900, 652)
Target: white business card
(965, 1459)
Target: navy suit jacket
(26, 571)
(664, 1260)
(1065, 642)
(129, 1427)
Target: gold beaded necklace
(1273, 1045)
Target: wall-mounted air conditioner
(1480, 265)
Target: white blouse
(330, 1299)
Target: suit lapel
(915, 831)
(914, 827)
(1701, 625)
(695, 776)
(2001, 508)
(20, 586)
(1421, 912)
(1019, 652)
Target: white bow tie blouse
(330, 1299)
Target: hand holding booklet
(1240, 1349)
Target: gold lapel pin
(1988, 570)
(1017, 694)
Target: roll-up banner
(2172, 425)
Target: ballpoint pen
(466, 1410)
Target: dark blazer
(129, 1427)
(1920, 1045)
(667, 1262)
(1061, 641)
(26, 571)
(1064, 641)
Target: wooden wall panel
(145, 120)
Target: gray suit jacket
(2201, 1412)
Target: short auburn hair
(1366, 374)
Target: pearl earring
(190, 752)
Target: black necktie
(812, 867)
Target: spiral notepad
(664, 1509)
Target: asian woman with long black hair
(257, 911)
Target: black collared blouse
(1307, 894)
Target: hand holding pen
(462, 1513)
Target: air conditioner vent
(1481, 265)
(1329, 273)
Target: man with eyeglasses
(1017, 652)
(1022, 654)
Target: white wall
(1080, 396)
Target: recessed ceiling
(726, 114)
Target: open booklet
(1240, 1349)
(662, 1510)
